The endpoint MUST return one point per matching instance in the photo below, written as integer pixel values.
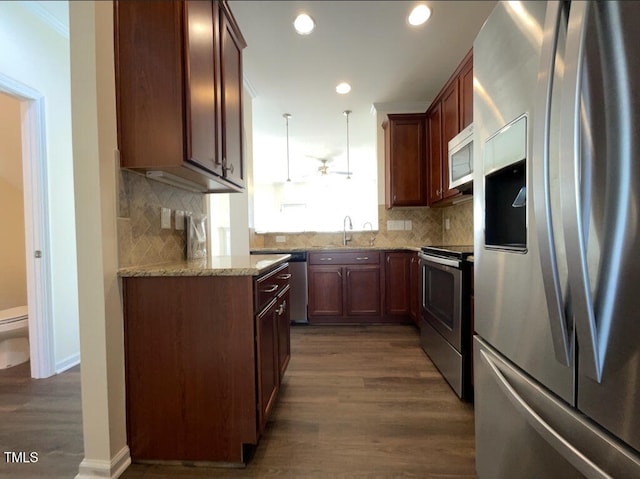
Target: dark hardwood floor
(40, 416)
(357, 401)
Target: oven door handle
(436, 259)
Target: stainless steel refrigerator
(557, 240)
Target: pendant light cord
(346, 113)
(286, 119)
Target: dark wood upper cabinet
(405, 167)
(450, 128)
(466, 92)
(202, 90)
(232, 45)
(450, 112)
(179, 91)
(434, 142)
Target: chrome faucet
(346, 239)
(372, 238)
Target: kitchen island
(206, 347)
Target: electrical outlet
(179, 220)
(447, 224)
(408, 225)
(165, 218)
(395, 225)
(281, 239)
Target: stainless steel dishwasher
(298, 283)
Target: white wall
(13, 271)
(229, 212)
(101, 323)
(239, 202)
(38, 56)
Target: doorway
(36, 224)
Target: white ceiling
(367, 43)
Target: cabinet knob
(362, 258)
(328, 258)
(228, 168)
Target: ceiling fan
(324, 170)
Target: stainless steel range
(445, 329)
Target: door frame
(36, 222)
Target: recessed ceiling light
(419, 15)
(304, 24)
(343, 88)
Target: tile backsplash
(427, 228)
(460, 230)
(140, 239)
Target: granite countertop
(310, 249)
(246, 265)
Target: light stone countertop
(311, 249)
(246, 265)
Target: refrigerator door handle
(594, 311)
(541, 187)
(546, 431)
(571, 202)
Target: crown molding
(38, 10)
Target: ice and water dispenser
(505, 170)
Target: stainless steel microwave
(461, 159)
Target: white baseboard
(67, 363)
(96, 469)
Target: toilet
(14, 336)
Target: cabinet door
(267, 361)
(450, 128)
(232, 44)
(325, 291)
(414, 288)
(203, 87)
(284, 332)
(405, 160)
(363, 288)
(466, 94)
(149, 83)
(397, 283)
(434, 157)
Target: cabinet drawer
(270, 285)
(344, 257)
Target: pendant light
(347, 113)
(286, 117)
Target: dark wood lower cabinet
(358, 286)
(398, 279)
(284, 331)
(363, 287)
(204, 358)
(267, 361)
(415, 289)
(325, 291)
